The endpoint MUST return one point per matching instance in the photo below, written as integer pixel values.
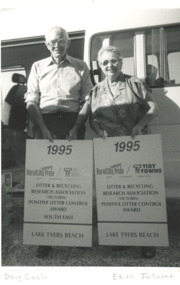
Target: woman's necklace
(113, 83)
(113, 86)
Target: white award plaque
(131, 203)
(58, 193)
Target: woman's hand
(103, 134)
(73, 133)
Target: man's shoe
(43, 251)
(148, 252)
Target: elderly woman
(121, 105)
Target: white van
(149, 40)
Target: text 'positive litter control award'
(58, 193)
(131, 202)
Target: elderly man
(58, 86)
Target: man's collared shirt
(59, 87)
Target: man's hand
(37, 118)
(136, 131)
(47, 135)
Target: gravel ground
(17, 254)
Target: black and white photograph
(90, 142)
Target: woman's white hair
(58, 29)
(111, 49)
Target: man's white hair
(58, 29)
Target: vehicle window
(25, 52)
(76, 48)
(163, 56)
(6, 79)
(174, 63)
(125, 41)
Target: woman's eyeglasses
(112, 61)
